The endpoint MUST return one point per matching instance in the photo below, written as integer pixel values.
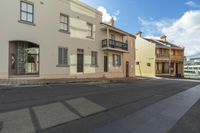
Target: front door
(80, 61)
(127, 69)
(177, 69)
(105, 63)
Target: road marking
(157, 118)
(84, 106)
(53, 114)
(17, 122)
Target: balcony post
(170, 60)
(108, 36)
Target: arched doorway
(23, 58)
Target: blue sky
(156, 17)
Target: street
(93, 107)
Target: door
(127, 69)
(105, 63)
(177, 69)
(80, 61)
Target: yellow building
(158, 58)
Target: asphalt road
(81, 108)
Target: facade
(158, 58)
(192, 66)
(61, 39)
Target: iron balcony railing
(114, 44)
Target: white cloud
(184, 31)
(107, 16)
(192, 4)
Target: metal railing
(162, 55)
(114, 44)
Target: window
(62, 56)
(90, 30)
(26, 12)
(137, 63)
(116, 60)
(64, 23)
(148, 64)
(94, 58)
(112, 36)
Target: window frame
(94, 54)
(62, 58)
(27, 12)
(64, 23)
(118, 58)
(90, 31)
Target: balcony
(162, 55)
(177, 58)
(114, 45)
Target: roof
(163, 43)
(117, 29)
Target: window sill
(117, 66)
(62, 66)
(94, 65)
(89, 37)
(63, 31)
(26, 22)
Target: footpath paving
(30, 120)
(157, 118)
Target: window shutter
(59, 56)
(96, 58)
(62, 56)
(65, 56)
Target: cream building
(61, 39)
(158, 58)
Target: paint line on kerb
(157, 118)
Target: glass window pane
(23, 16)
(62, 19)
(30, 18)
(65, 19)
(65, 27)
(23, 6)
(62, 26)
(30, 8)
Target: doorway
(177, 69)
(105, 63)
(127, 69)
(80, 60)
(23, 58)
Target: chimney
(112, 22)
(163, 38)
(139, 34)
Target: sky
(178, 19)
